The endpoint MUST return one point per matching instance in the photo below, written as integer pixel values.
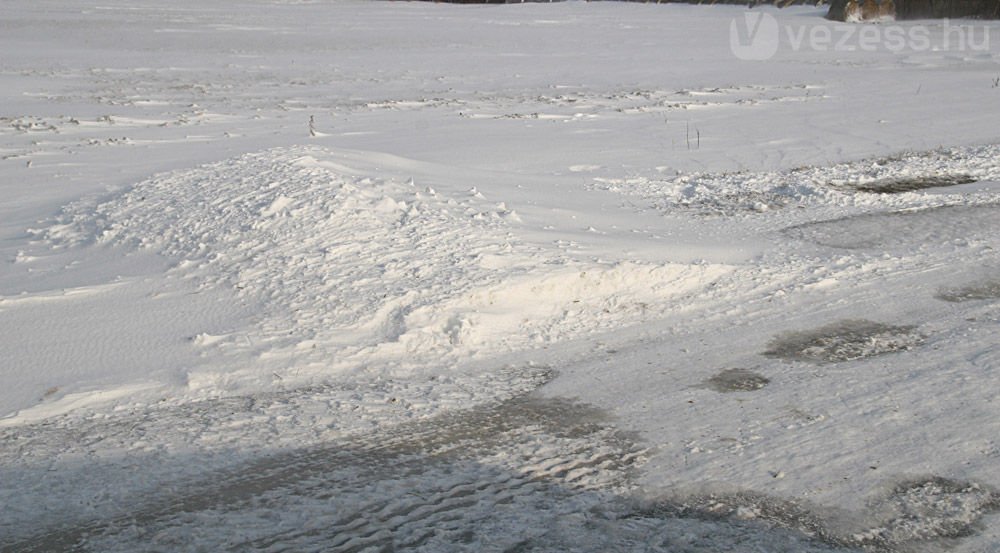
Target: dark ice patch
(919, 514)
(736, 380)
(898, 185)
(927, 510)
(984, 290)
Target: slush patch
(737, 380)
(845, 340)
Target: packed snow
(357, 276)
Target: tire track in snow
(525, 474)
(552, 444)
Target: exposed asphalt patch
(844, 340)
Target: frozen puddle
(845, 340)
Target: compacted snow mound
(340, 264)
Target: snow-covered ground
(289, 275)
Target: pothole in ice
(737, 380)
(983, 290)
(898, 185)
(844, 340)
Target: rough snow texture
(820, 187)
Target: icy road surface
(358, 276)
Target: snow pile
(345, 269)
(558, 305)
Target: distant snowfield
(348, 276)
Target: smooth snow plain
(358, 276)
